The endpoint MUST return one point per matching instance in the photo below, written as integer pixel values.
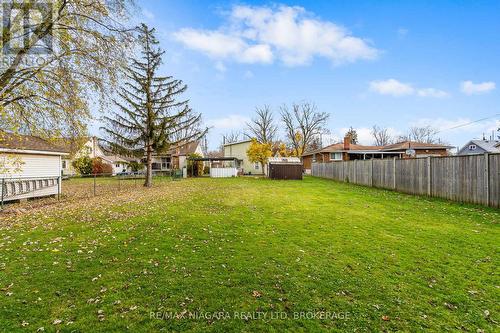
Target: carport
(220, 167)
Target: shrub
(99, 167)
(136, 166)
(83, 165)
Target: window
(472, 147)
(64, 164)
(117, 165)
(256, 165)
(336, 156)
(165, 163)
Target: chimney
(347, 142)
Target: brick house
(347, 151)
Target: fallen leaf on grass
(385, 318)
(256, 294)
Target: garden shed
(284, 168)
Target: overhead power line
(469, 123)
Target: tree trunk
(149, 168)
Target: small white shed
(30, 167)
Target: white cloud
(432, 92)
(471, 88)
(391, 87)
(214, 44)
(365, 134)
(234, 121)
(396, 88)
(261, 34)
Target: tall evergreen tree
(352, 134)
(150, 118)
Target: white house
(90, 148)
(29, 167)
(118, 163)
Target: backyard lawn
(249, 254)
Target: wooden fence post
(487, 178)
(371, 173)
(355, 172)
(394, 173)
(429, 175)
(3, 184)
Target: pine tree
(352, 134)
(150, 117)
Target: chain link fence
(29, 192)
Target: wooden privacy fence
(473, 179)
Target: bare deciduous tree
(303, 123)
(262, 127)
(231, 137)
(381, 136)
(423, 134)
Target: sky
(394, 64)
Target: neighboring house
(176, 157)
(93, 149)
(90, 148)
(119, 164)
(29, 166)
(238, 150)
(347, 151)
(475, 147)
(418, 149)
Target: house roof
(415, 145)
(117, 158)
(237, 142)
(339, 147)
(13, 141)
(184, 148)
(490, 146)
(284, 160)
(215, 154)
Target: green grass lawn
(213, 250)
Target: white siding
(36, 166)
(223, 172)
